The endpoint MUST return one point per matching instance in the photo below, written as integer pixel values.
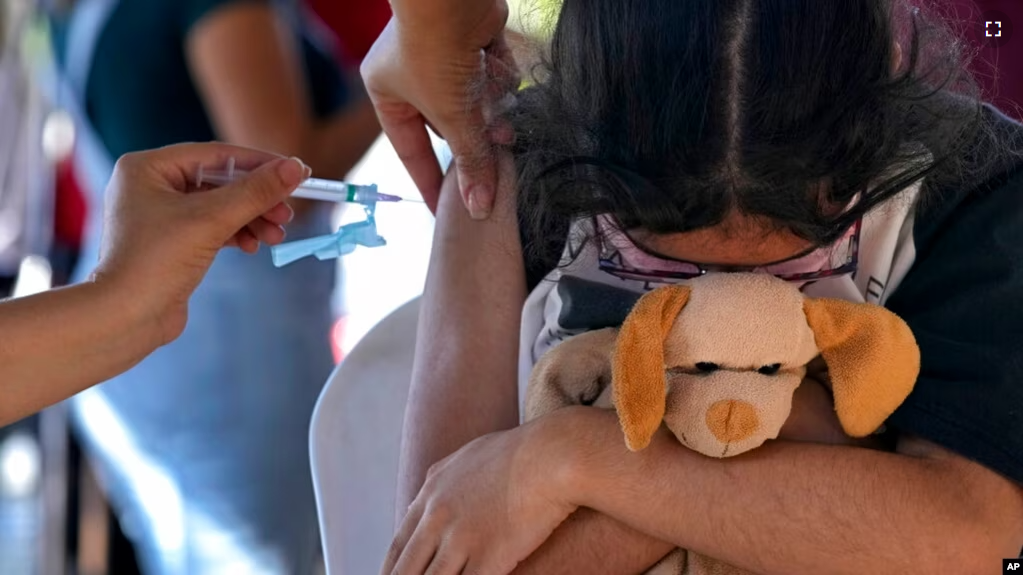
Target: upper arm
(247, 68)
(465, 371)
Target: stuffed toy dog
(718, 361)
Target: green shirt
(140, 94)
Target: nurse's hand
(161, 235)
(443, 62)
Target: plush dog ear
(872, 358)
(637, 370)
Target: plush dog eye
(770, 369)
(707, 367)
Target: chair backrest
(355, 438)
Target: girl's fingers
(447, 560)
(418, 553)
(401, 538)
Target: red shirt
(70, 208)
(357, 23)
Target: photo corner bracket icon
(996, 28)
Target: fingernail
(291, 172)
(477, 210)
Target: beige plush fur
(718, 361)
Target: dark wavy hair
(670, 114)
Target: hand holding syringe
(311, 189)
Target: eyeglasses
(621, 257)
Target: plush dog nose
(732, 420)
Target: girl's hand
(161, 236)
(486, 507)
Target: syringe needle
(310, 189)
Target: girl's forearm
(847, 509)
(464, 382)
(55, 344)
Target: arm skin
(575, 546)
(472, 306)
(850, 509)
(158, 243)
(58, 343)
(248, 70)
(592, 543)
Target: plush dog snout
(732, 420)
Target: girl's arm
(848, 509)
(590, 542)
(464, 382)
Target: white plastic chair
(355, 439)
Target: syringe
(311, 189)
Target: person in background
(204, 444)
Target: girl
(836, 144)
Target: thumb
(249, 197)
